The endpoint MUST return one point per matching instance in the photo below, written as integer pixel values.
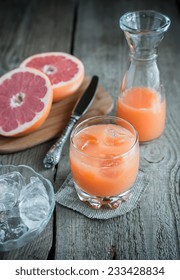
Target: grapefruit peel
(65, 71)
(25, 101)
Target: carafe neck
(144, 30)
(143, 55)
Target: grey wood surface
(90, 30)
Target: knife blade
(82, 105)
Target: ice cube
(11, 225)
(3, 229)
(7, 196)
(2, 234)
(3, 216)
(110, 162)
(10, 186)
(34, 203)
(85, 141)
(115, 135)
(111, 171)
(110, 166)
(15, 176)
(34, 210)
(13, 228)
(35, 187)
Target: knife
(84, 102)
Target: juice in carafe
(144, 108)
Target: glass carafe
(141, 98)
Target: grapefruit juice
(145, 109)
(104, 159)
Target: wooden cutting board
(57, 120)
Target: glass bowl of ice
(27, 202)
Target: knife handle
(53, 155)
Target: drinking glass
(104, 159)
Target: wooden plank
(29, 27)
(160, 159)
(152, 229)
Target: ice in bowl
(26, 205)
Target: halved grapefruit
(65, 71)
(25, 101)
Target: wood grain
(151, 230)
(29, 27)
(91, 30)
(57, 120)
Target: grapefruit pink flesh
(65, 71)
(25, 101)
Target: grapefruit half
(65, 71)
(25, 101)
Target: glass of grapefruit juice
(104, 159)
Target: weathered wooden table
(90, 30)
